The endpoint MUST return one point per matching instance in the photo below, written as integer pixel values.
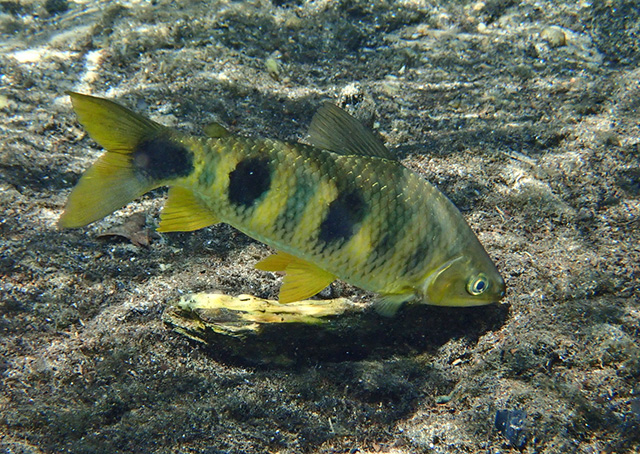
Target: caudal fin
(115, 179)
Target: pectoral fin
(389, 304)
(183, 212)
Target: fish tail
(141, 155)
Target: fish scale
(344, 208)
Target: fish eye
(478, 284)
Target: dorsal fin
(335, 130)
(215, 130)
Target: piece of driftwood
(200, 316)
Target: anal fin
(276, 262)
(303, 279)
(183, 212)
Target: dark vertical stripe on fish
(420, 255)
(397, 219)
(294, 210)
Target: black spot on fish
(249, 180)
(161, 158)
(344, 213)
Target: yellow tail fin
(120, 175)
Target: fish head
(466, 280)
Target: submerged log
(203, 316)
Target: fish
(341, 207)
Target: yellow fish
(343, 207)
